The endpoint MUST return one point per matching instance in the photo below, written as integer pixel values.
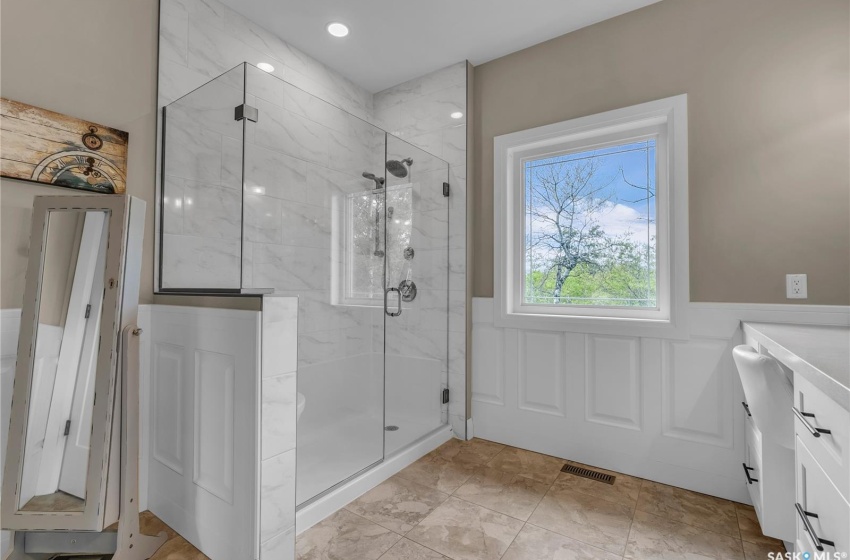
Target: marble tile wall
(419, 112)
(278, 398)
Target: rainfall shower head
(397, 168)
(379, 181)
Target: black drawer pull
(801, 416)
(816, 540)
(747, 408)
(747, 470)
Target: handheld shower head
(379, 181)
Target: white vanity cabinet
(819, 358)
(822, 429)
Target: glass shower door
(417, 315)
(314, 228)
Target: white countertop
(820, 354)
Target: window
(591, 221)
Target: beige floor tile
(760, 551)
(585, 518)
(534, 543)
(542, 468)
(344, 535)
(406, 549)
(748, 524)
(464, 531)
(477, 451)
(438, 473)
(397, 504)
(695, 509)
(656, 538)
(508, 493)
(625, 489)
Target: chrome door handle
(816, 432)
(816, 540)
(386, 304)
(747, 474)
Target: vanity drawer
(820, 503)
(830, 450)
(751, 469)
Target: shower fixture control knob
(408, 253)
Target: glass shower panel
(201, 197)
(314, 228)
(417, 269)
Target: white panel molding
(662, 409)
(167, 402)
(213, 426)
(541, 372)
(205, 391)
(489, 384)
(612, 363)
(696, 389)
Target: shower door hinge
(67, 427)
(88, 310)
(445, 189)
(445, 396)
(245, 111)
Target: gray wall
(768, 84)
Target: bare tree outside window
(590, 227)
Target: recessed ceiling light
(265, 67)
(338, 29)
(456, 115)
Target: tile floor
(480, 500)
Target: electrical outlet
(796, 286)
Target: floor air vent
(588, 473)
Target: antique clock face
(82, 170)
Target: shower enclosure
(266, 187)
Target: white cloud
(618, 219)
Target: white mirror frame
(97, 513)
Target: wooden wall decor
(46, 147)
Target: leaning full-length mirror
(61, 430)
(56, 450)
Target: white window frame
(665, 120)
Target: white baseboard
(470, 431)
(313, 513)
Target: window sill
(615, 326)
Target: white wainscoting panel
(542, 354)
(204, 460)
(10, 326)
(612, 376)
(666, 410)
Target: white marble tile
(263, 85)
(231, 163)
(261, 217)
(281, 547)
(278, 416)
(174, 33)
(454, 144)
(306, 225)
(292, 268)
(211, 211)
(280, 335)
(277, 495)
(193, 152)
(172, 205)
(314, 108)
(198, 262)
(290, 133)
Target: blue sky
(627, 211)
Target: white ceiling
(392, 41)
